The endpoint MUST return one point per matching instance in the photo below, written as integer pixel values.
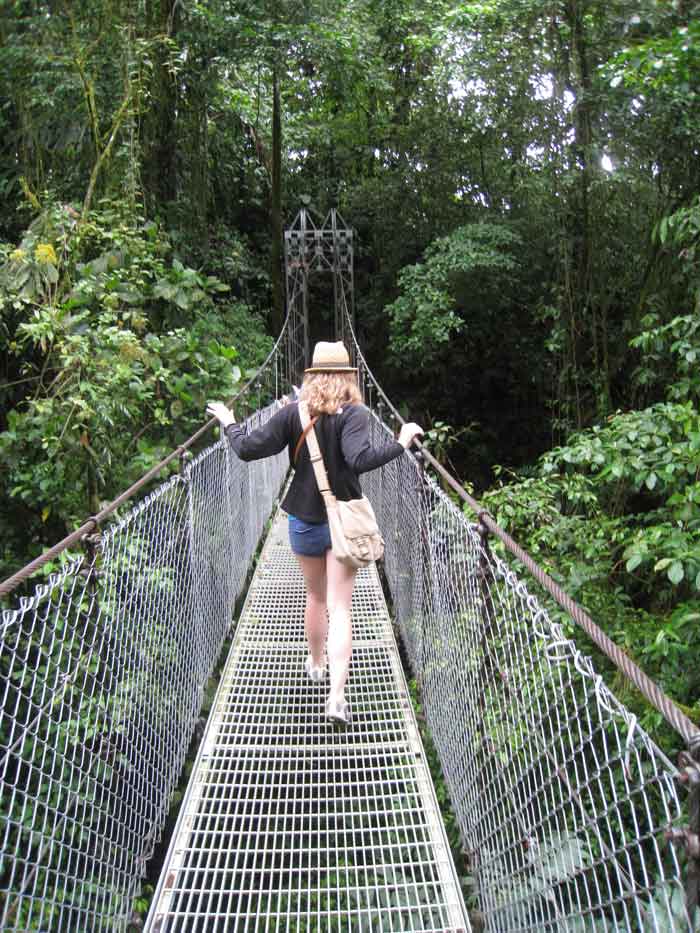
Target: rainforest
(523, 180)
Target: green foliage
(440, 437)
(436, 294)
(682, 228)
(614, 516)
(185, 287)
(141, 907)
(670, 62)
(669, 355)
(655, 452)
(120, 345)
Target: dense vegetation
(524, 182)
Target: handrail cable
(650, 690)
(90, 524)
(568, 812)
(646, 686)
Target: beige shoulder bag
(355, 536)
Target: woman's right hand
(408, 433)
(220, 411)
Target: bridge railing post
(484, 751)
(92, 544)
(233, 576)
(380, 484)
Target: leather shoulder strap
(315, 454)
(300, 442)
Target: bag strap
(315, 454)
(301, 440)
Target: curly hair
(325, 393)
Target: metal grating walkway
(289, 823)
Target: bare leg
(341, 580)
(315, 615)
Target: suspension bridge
(570, 817)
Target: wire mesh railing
(102, 673)
(567, 809)
(563, 801)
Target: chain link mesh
(561, 798)
(102, 673)
(290, 823)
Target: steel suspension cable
(646, 686)
(565, 806)
(90, 524)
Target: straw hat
(330, 358)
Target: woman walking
(331, 393)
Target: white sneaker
(315, 673)
(338, 712)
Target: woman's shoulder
(348, 410)
(288, 414)
(353, 413)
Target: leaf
(675, 572)
(165, 290)
(634, 562)
(663, 564)
(51, 273)
(650, 481)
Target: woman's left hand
(292, 397)
(409, 432)
(220, 411)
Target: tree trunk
(586, 385)
(588, 302)
(159, 173)
(276, 208)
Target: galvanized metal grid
(101, 679)
(290, 823)
(561, 798)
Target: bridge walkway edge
(291, 823)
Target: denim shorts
(309, 539)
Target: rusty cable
(646, 686)
(89, 525)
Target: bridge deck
(292, 824)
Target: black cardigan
(345, 445)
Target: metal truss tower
(310, 248)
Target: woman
(331, 392)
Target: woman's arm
(265, 441)
(357, 449)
